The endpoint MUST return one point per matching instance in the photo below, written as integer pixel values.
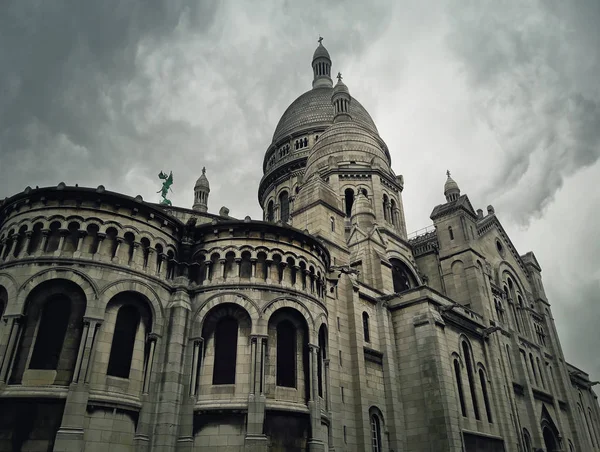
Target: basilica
(128, 325)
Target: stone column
(61, 243)
(298, 283)
(238, 262)
(151, 261)
(152, 338)
(70, 434)
(207, 275)
(185, 442)
(23, 252)
(253, 261)
(314, 443)
(268, 263)
(12, 338)
(222, 268)
(286, 279)
(133, 260)
(255, 440)
(101, 236)
(326, 384)
(45, 235)
(80, 239)
(13, 246)
(172, 383)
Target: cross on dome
(448, 173)
(339, 76)
(320, 40)
(204, 170)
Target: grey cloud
(522, 60)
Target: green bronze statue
(168, 181)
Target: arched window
(123, 342)
(450, 233)
(533, 369)
(284, 206)
(349, 199)
(332, 221)
(286, 354)
(322, 356)
(246, 265)
(461, 394)
(376, 434)
(51, 334)
(486, 399)
(471, 378)
(527, 440)
(226, 336)
(393, 218)
(537, 361)
(401, 276)
(365, 319)
(270, 212)
(53, 238)
(386, 206)
(510, 364)
(305, 142)
(36, 238)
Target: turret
(451, 190)
(201, 192)
(341, 101)
(321, 65)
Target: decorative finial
(204, 170)
(448, 173)
(339, 76)
(320, 39)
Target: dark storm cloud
(112, 92)
(530, 64)
(65, 68)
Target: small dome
(340, 87)
(202, 181)
(451, 190)
(321, 52)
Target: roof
(314, 109)
(461, 203)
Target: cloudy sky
(504, 94)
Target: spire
(341, 101)
(201, 191)
(321, 64)
(451, 190)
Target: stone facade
(132, 326)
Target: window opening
(51, 334)
(461, 395)
(469, 366)
(226, 337)
(123, 342)
(286, 354)
(365, 318)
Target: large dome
(314, 109)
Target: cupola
(321, 65)
(201, 191)
(451, 190)
(341, 101)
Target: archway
(550, 440)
